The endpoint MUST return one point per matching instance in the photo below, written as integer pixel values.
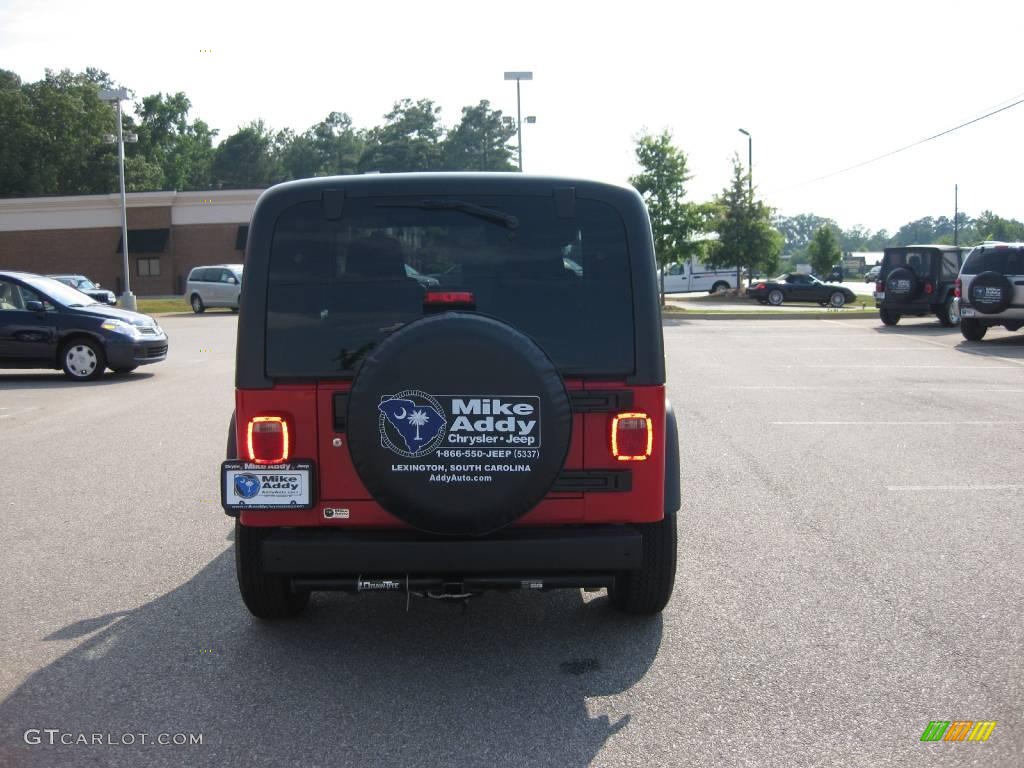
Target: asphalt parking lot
(850, 569)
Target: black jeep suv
(919, 280)
(504, 428)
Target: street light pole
(750, 189)
(517, 76)
(127, 298)
(750, 162)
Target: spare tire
(458, 424)
(902, 284)
(991, 293)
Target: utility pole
(956, 215)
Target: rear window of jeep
(336, 288)
(1005, 261)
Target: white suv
(991, 289)
(216, 286)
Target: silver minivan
(216, 286)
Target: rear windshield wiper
(488, 214)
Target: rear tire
(888, 317)
(197, 304)
(267, 596)
(647, 591)
(972, 330)
(719, 287)
(948, 314)
(775, 297)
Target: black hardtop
(331, 192)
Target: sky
(819, 86)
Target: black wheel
(83, 359)
(889, 317)
(125, 369)
(647, 591)
(972, 330)
(775, 297)
(719, 286)
(267, 596)
(949, 313)
(837, 299)
(197, 304)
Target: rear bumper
(908, 307)
(558, 550)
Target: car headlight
(117, 326)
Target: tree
(245, 160)
(53, 135)
(797, 232)
(746, 237)
(183, 151)
(988, 226)
(823, 250)
(480, 142)
(662, 183)
(410, 140)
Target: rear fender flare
(673, 492)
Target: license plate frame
(288, 485)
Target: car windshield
(82, 284)
(59, 292)
(338, 287)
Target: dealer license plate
(967, 312)
(879, 295)
(244, 485)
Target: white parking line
(954, 487)
(896, 423)
(864, 388)
(883, 365)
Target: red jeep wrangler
(451, 383)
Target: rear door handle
(1018, 282)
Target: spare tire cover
(458, 424)
(901, 283)
(991, 293)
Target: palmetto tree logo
(412, 423)
(418, 419)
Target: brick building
(168, 234)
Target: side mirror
(99, 285)
(233, 281)
(34, 306)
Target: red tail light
(267, 440)
(449, 297)
(879, 286)
(632, 436)
(956, 288)
(929, 288)
(759, 285)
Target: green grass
(162, 306)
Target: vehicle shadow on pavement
(356, 681)
(57, 380)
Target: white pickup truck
(688, 276)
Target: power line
(908, 146)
